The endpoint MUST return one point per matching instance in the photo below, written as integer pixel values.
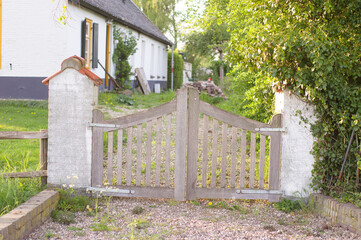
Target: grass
(141, 101)
(20, 155)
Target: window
(89, 43)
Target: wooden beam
(24, 135)
(32, 174)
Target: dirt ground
(167, 219)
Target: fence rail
(43, 136)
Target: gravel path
(167, 219)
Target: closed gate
(186, 149)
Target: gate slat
(233, 157)
(253, 160)
(158, 153)
(167, 149)
(261, 161)
(139, 154)
(214, 152)
(205, 150)
(120, 156)
(129, 155)
(224, 155)
(243, 157)
(110, 159)
(149, 154)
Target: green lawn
(20, 155)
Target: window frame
(88, 42)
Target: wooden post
(44, 157)
(97, 151)
(192, 145)
(275, 158)
(180, 145)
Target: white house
(33, 42)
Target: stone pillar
(73, 94)
(297, 141)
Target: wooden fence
(43, 136)
(186, 149)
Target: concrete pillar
(297, 141)
(73, 94)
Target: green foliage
(70, 201)
(312, 48)
(125, 99)
(158, 11)
(63, 217)
(177, 72)
(125, 47)
(287, 205)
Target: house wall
(34, 43)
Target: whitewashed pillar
(296, 158)
(73, 94)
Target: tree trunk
(221, 69)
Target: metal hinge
(103, 125)
(110, 190)
(250, 191)
(270, 129)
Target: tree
(313, 48)
(211, 37)
(158, 11)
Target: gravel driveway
(167, 219)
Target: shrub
(178, 70)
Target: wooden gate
(186, 149)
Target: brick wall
(23, 219)
(345, 214)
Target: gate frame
(188, 107)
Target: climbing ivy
(125, 47)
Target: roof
(78, 64)
(126, 13)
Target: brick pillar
(73, 94)
(297, 141)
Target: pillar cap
(78, 64)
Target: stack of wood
(209, 87)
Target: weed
(63, 217)
(287, 205)
(74, 228)
(270, 228)
(195, 203)
(70, 201)
(81, 233)
(137, 210)
(125, 99)
(101, 226)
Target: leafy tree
(125, 47)
(158, 11)
(210, 39)
(313, 48)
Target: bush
(178, 70)
(125, 47)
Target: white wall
(35, 42)
(296, 159)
